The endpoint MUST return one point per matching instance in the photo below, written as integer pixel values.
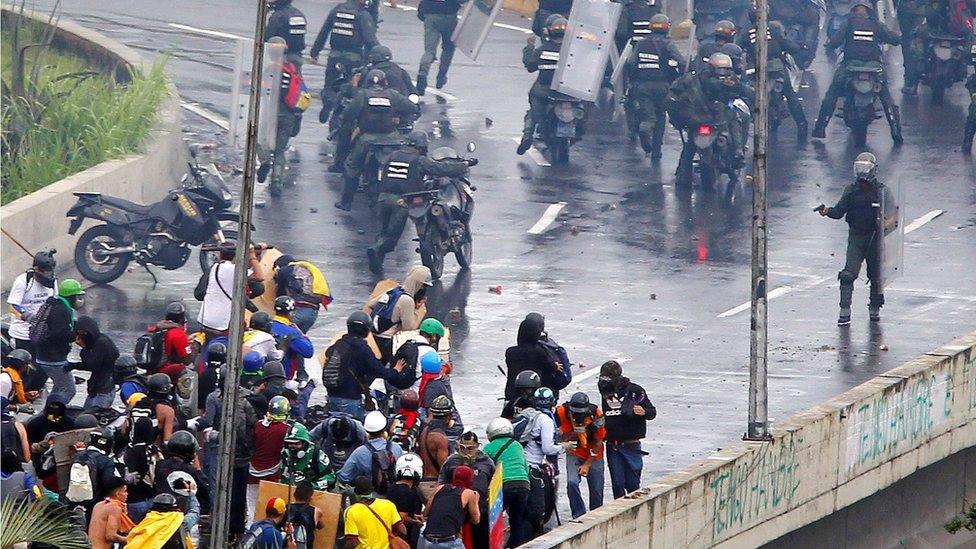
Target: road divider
(547, 218)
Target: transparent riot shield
(617, 77)
(586, 48)
(891, 225)
(475, 24)
(274, 55)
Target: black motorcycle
(945, 64)
(196, 214)
(862, 103)
(442, 215)
(716, 151)
(377, 156)
(563, 125)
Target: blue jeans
(304, 318)
(103, 400)
(456, 543)
(351, 406)
(594, 484)
(137, 510)
(64, 381)
(625, 461)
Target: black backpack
(331, 371)
(149, 350)
(302, 518)
(382, 464)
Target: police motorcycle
(563, 125)
(715, 144)
(195, 214)
(442, 215)
(861, 105)
(377, 156)
(945, 63)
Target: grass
(72, 118)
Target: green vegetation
(39, 522)
(965, 521)
(60, 117)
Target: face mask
(44, 278)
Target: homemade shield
(274, 56)
(891, 225)
(586, 48)
(330, 504)
(475, 24)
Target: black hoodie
(530, 355)
(98, 356)
(39, 426)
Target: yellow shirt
(362, 523)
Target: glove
(569, 446)
(191, 424)
(472, 162)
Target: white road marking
(773, 294)
(439, 93)
(204, 113)
(207, 32)
(547, 218)
(535, 154)
(513, 27)
(407, 8)
(917, 224)
(594, 370)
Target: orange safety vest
(587, 447)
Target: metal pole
(758, 397)
(231, 391)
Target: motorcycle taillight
(417, 201)
(704, 130)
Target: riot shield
(274, 55)
(475, 24)
(586, 48)
(891, 227)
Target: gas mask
(44, 277)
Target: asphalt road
(628, 268)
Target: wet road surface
(629, 268)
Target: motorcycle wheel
(560, 153)
(96, 267)
(207, 259)
(860, 133)
(431, 254)
(708, 174)
(464, 253)
(938, 92)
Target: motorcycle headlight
(943, 52)
(565, 112)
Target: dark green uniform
(778, 46)
(542, 59)
(288, 23)
(351, 30)
(440, 19)
(859, 207)
(653, 64)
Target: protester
(376, 459)
(162, 528)
(16, 367)
(581, 426)
(98, 356)
(469, 453)
(273, 531)
(370, 521)
(627, 410)
(269, 438)
(406, 495)
(433, 445)
(505, 450)
(448, 508)
(110, 523)
(305, 518)
(52, 331)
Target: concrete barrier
(819, 461)
(37, 220)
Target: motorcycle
(377, 156)
(861, 104)
(563, 125)
(157, 234)
(442, 215)
(945, 64)
(716, 152)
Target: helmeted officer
(351, 31)
(778, 46)
(970, 130)
(407, 171)
(723, 33)
(381, 57)
(911, 14)
(635, 21)
(374, 111)
(288, 22)
(862, 36)
(859, 206)
(805, 15)
(653, 64)
(542, 58)
(546, 9)
(440, 19)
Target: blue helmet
(253, 363)
(430, 363)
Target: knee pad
(846, 278)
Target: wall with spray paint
(819, 461)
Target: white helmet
(409, 466)
(375, 422)
(499, 427)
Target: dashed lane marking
(207, 32)
(547, 218)
(918, 223)
(441, 94)
(205, 114)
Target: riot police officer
(350, 29)
(859, 207)
(723, 33)
(635, 21)
(911, 14)
(803, 15)
(970, 131)
(287, 22)
(547, 8)
(374, 111)
(778, 46)
(543, 59)
(440, 18)
(653, 64)
(381, 57)
(862, 36)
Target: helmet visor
(864, 169)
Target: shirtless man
(109, 521)
(433, 445)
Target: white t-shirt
(215, 312)
(29, 297)
(262, 342)
(6, 385)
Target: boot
(375, 261)
(523, 146)
(441, 81)
(967, 137)
(801, 131)
(874, 312)
(844, 318)
(263, 171)
(421, 83)
(894, 119)
(820, 129)
(645, 141)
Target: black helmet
(159, 384)
(182, 444)
(272, 369)
(724, 29)
(176, 312)
(380, 53)
(284, 304)
(164, 502)
(341, 429)
(100, 438)
(529, 379)
(125, 366)
(44, 260)
(376, 79)
(17, 359)
(227, 250)
(358, 323)
(579, 403)
(660, 24)
(556, 26)
(441, 406)
(262, 320)
(418, 139)
(217, 353)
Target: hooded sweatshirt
(54, 347)
(405, 316)
(528, 354)
(98, 356)
(40, 425)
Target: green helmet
(432, 326)
(298, 433)
(70, 287)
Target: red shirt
(176, 348)
(269, 439)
